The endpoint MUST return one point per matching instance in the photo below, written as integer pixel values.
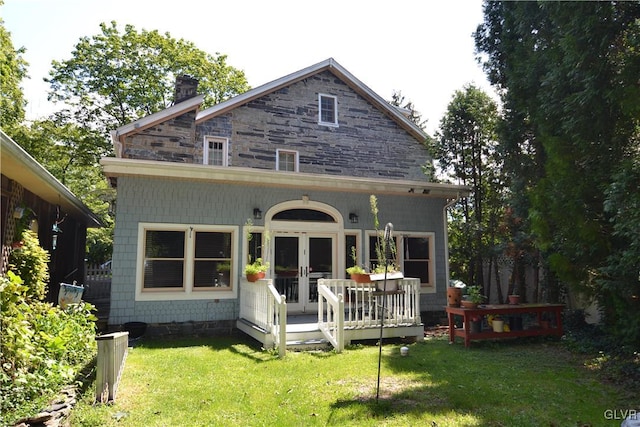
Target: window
(351, 249)
(414, 255)
(215, 151)
(287, 160)
(417, 258)
(189, 262)
(328, 110)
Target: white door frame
(306, 230)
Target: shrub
(43, 347)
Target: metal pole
(388, 229)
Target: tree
(13, 68)
(465, 148)
(115, 78)
(568, 76)
(398, 100)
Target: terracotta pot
(255, 277)
(469, 304)
(361, 278)
(545, 324)
(514, 299)
(454, 296)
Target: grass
(230, 381)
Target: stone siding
(170, 141)
(366, 142)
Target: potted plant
(356, 272)
(475, 325)
(514, 298)
(256, 270)
(384, 269)
(497, 323)
(473, 298)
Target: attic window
(215, 151)
(287, 160)
(328, 110)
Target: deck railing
(261, 305)
(363, 302)
(112, 352)
(331, 316)
(278, 312)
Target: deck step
(308, 344)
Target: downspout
(446, 236)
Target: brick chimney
(186, 87)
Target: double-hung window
(215, 151)
(287, 160)
(177, 261)
(417, 258)
(414, 254)
(327, 110)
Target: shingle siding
(174, 201)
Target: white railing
(112, 352)
(363, 302)
(331, 316)
(278, 312)
(261, 305)
(254, 303)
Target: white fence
(112, 352)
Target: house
(33, 198)
(283, 172)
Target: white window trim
(188, 292)
(225, 149)
(335, 105)
(424, 287)
(296, 155)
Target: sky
(423, 48)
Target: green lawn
(230, 381)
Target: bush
(43, 347)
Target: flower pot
(255, 277)
(361, 278)
(469, 304)
(454, 296)
(515, 323)
(475, 326)
(514, 299)
(545, 324)
(498, 325)
(135, 329)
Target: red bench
(553, 310)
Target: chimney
(186, 87)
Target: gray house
(283, 172)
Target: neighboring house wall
(180, 202)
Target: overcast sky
(423, 48)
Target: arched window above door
(311, 215)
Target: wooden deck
(361, 316)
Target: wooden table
(554, 310)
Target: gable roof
(336, 69)
(19, 166)
(152, 120)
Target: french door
(299, 260)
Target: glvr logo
(622, 414)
